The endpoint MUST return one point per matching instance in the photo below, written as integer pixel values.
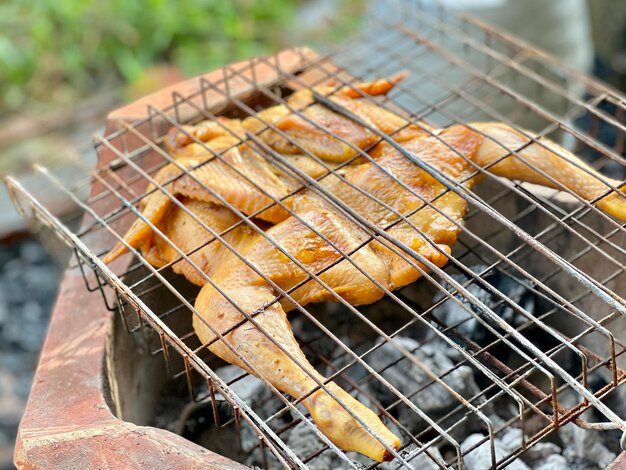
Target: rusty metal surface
(619, 463)
(68, 424)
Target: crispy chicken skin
(319, 233)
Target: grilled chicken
(200, 231)
(229, 169)
(409, 204)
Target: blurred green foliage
(54, 51)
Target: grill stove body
(121, 334)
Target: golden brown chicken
(245, 179)
(320, 234)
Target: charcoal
(552, 462)
(616, 401)
(543, 455)
(540, 452)
(198, 425)
(257, 458)
(258, 396)
(583, 448)
(421, 462)
(32, 253)
(9, 403)
(31, 312)
(168, 412)
(480, 458)
(355, 373)
(450, 312)
(4, 307)
(511, 439)
(251, 390)
(29, 280)
(304, 442)
(407, 378)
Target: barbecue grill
(520, 334)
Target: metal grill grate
(563, 253)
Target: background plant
(57, 51)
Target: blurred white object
(471, 4)
(558, 27)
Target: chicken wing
(307, 126)
(544, 162)
(229, 178)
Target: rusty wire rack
(569, 256)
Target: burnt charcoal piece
(545, 456)
(415, 383)
(583, 448)
(451, 313)
(480, 457)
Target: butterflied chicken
(238, 175)
(391, 193)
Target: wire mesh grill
(559, 256)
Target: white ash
(540, 452)
(541, 456)
(552, 462)
(250, 389)
(407, 377)
(583, 448)
(451, 312)
(480, 458)
(511, 439)
(424, 461)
